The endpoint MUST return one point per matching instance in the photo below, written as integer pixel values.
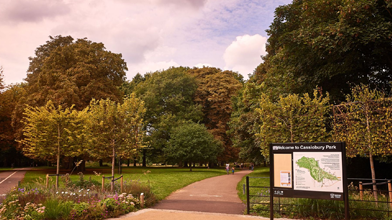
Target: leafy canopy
(329, 44)
(192, 142)
(292, 119)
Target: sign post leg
(247, 196)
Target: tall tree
(51, 132)
(192, 142)
(245, 122)
(168, 98)
(114, 129)
(9, 99)
(292, 119)
(364, 123)
(329, 44)
(72, 72)
(214, 92)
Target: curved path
(210, 199)
(9, 180)
(217, 194)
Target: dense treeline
(318, 54)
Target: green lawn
(258, 172)
(163, 181)
(5, 168)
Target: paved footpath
(217, 194)
(160, 214)
(9, 180)
(210, 199)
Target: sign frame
(286, 151)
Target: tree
(2, 86)
(73, 72)
(168, 99)
(114, 129)
(51, 132)
(292, 119)
(192, 142)
(9, 99)
(330, 45)
(214, 92)
(364, 123)
(245, 122)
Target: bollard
(47, 180)
(103, 183)
(390, 192)
(122, 184)
(360, 191)
(141, 200)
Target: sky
(151, 35)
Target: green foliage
(244, 122)
(113, 128)
(215, 88)
(192, 142)
(51, 132)
(364, 122)
(292, 119)
(168, 99)
(329, 44)
(72, 72)
(57, 209)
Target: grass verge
(163, 181)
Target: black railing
(362, 201)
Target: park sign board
(309, 170)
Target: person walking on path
(232, 170)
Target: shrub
(57, 209)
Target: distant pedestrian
(227, 169)
(232, 170)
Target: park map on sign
(318, 171)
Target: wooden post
(103, 183)
(47, 180)
(141, 200)
(122, 184)
(360, 190)
(390, 192)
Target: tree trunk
(58, 157)
(373, 177)
(113, 164)
(134, 161)
(144, 158)
(128, 162)
(371, 157)
(100, 163)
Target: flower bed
(72, 202)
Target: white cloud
(149, 34)
(243, 54)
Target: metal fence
(362, 201)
